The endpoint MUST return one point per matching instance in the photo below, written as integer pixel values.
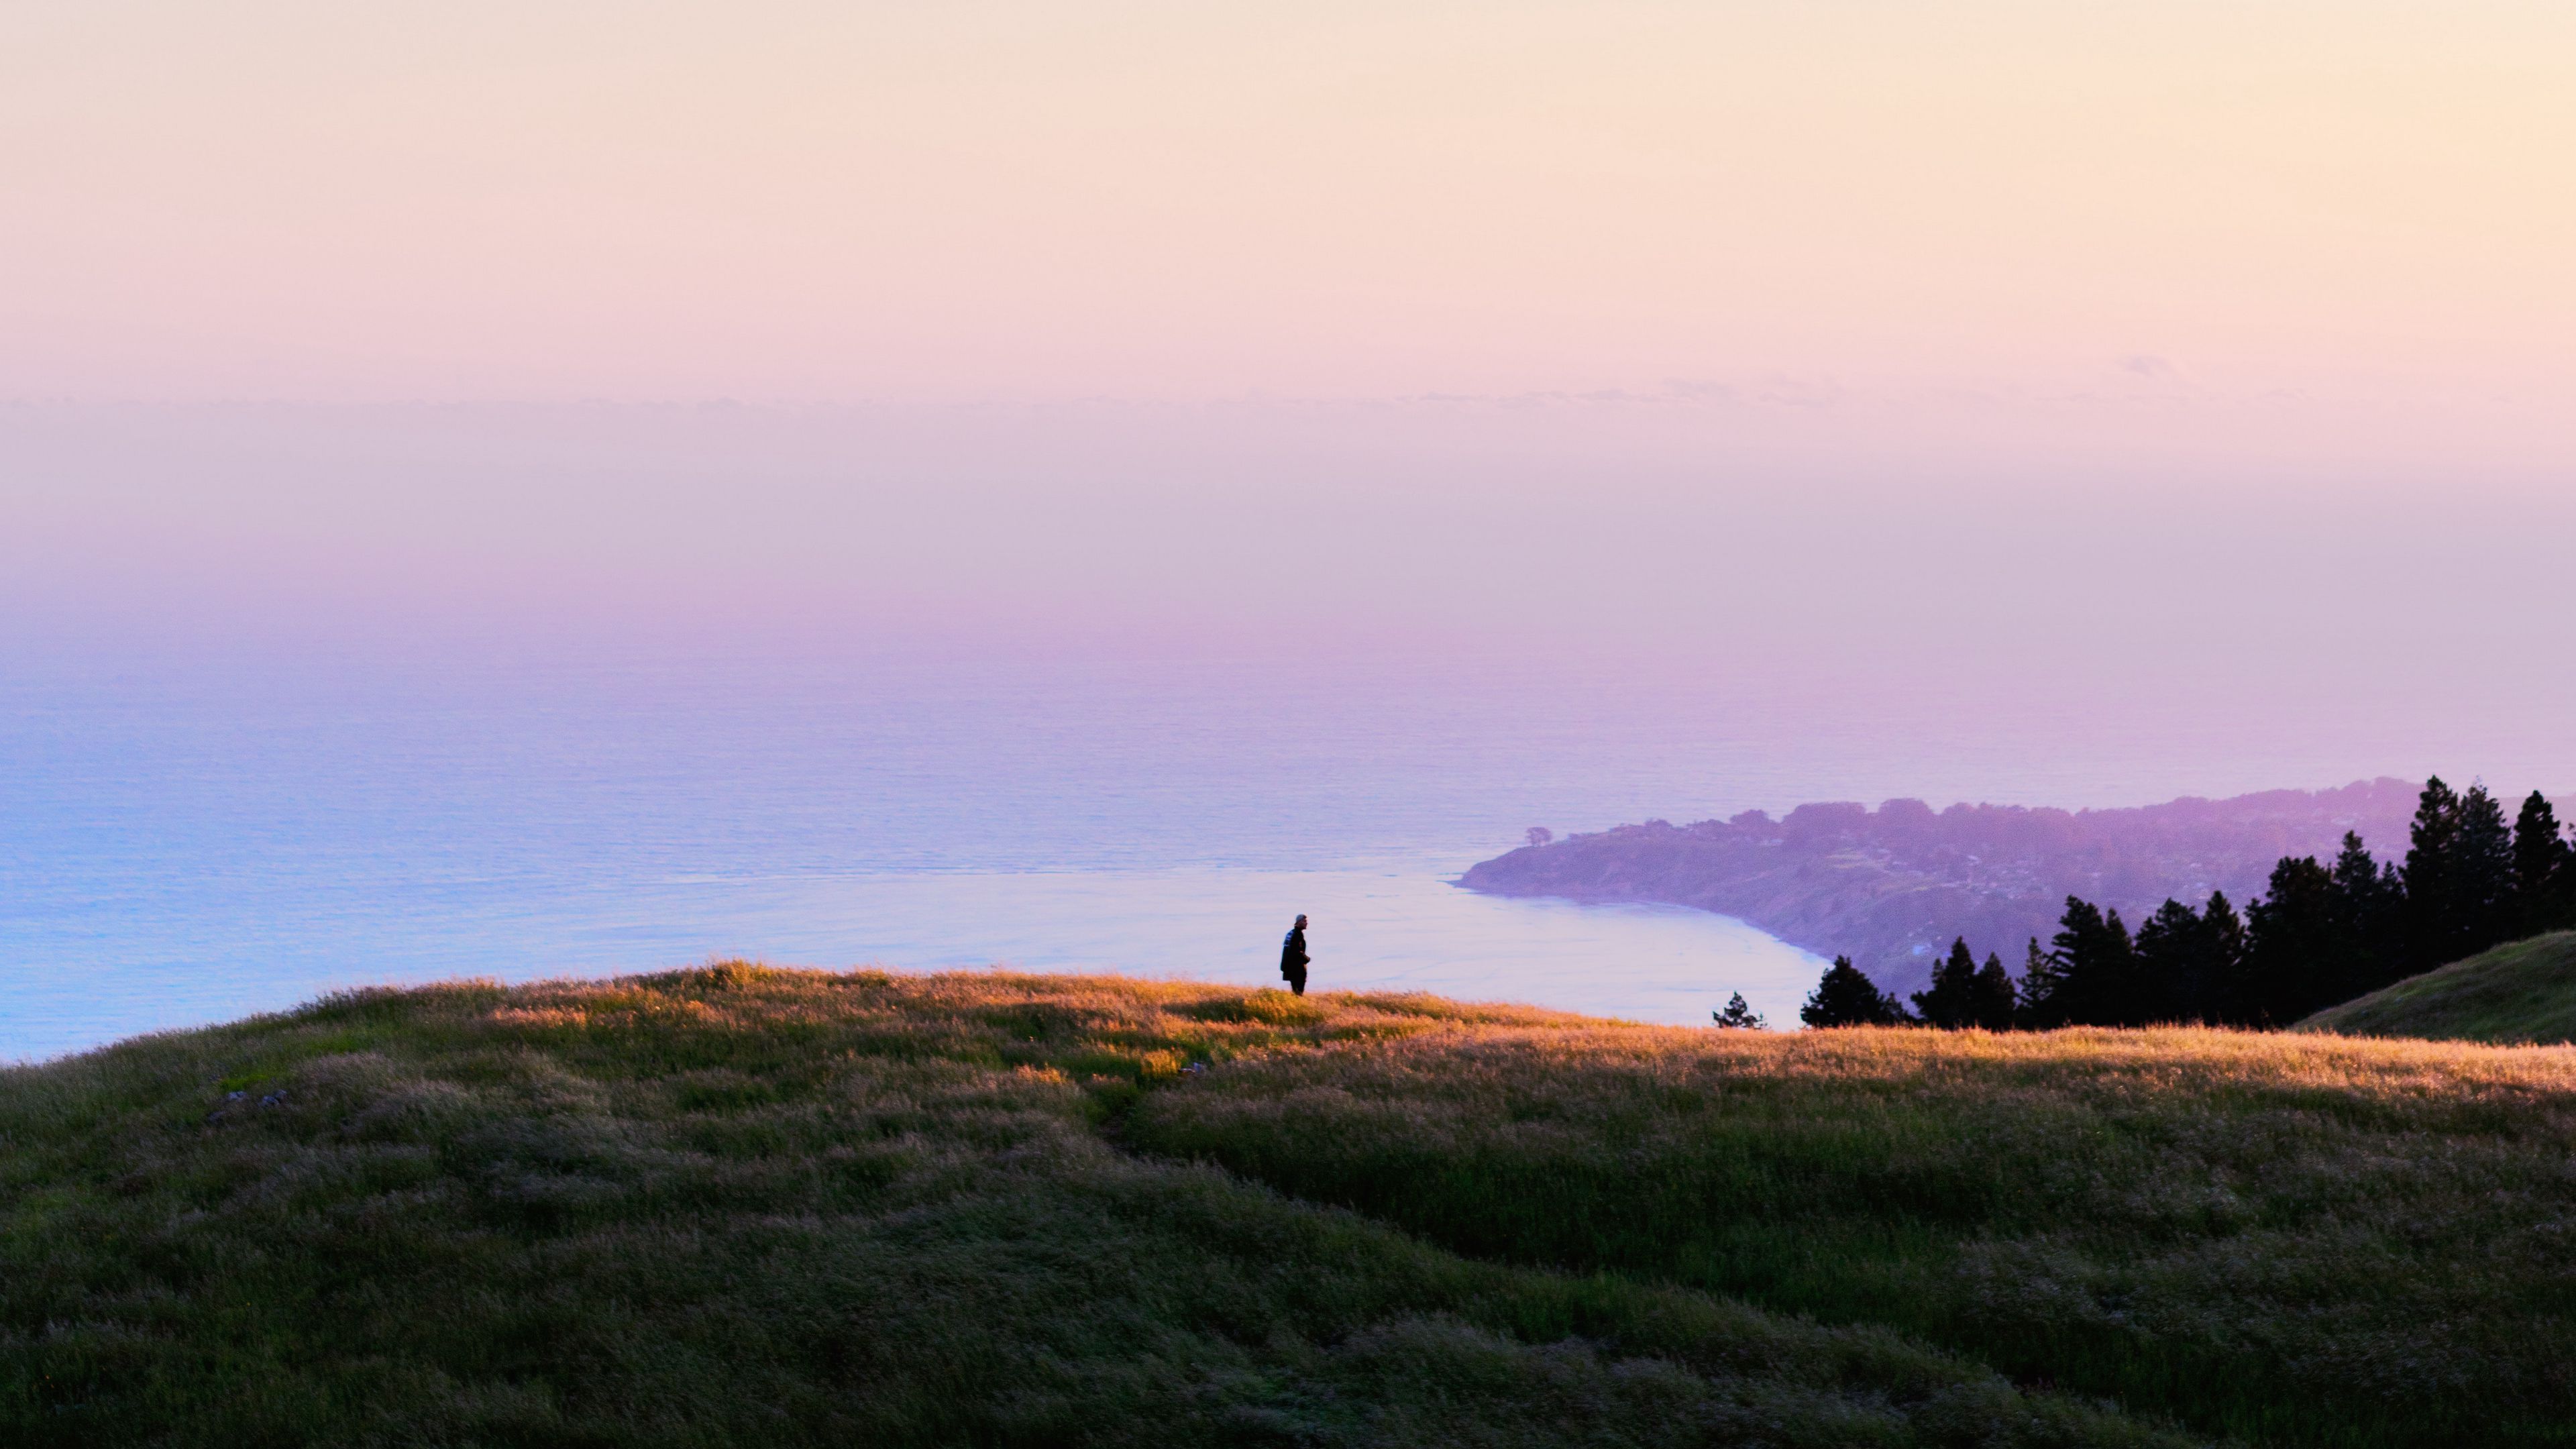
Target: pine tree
(2292, 946)
(2116, 966)
(1844, 997)
(2188, 963)
(2213, 973)
(1991, 998)
(2097, 971)
(2043, 1003)
(2544, 869)
(2431, 880)
(2169, 965)
(2489, 909)
(2561, 912)
(2369, 910)
(1951, 1001)
(1738, 1016)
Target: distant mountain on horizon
(1891, 887)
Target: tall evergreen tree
(2292, 946)
(1992, 996)
(2560, 913)
(2042, 1004)
(2169, 964)
(1950, 1002)
(2544, 869)
(2369, 902)
(2189, 961)
(2431, 879)
(2488, 907)
(2097, 968)
(2219, 981)
(1844, 997)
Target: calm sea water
(188, 839)
(189, 834)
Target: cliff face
(1890, 887)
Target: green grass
(739, 1206)
(746, 1206)
(2291, 1240)
(2524, 991)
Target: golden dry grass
(746, 1206)
(2291, 1239)
(740, 1205)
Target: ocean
(201, 827)
(188, 837)
(298, 700)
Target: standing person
(1292, 957)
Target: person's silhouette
(1292, 957)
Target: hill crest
(2522, 992)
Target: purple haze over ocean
(294, 699)
(1210, 462)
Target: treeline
(2321, 933)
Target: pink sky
(2189, 202)
(2011, 355)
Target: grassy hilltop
(746, 1206)
(2522, 991)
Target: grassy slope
(739, 1206)
(2295, 1240)
(2524, 991)
(745, 1206)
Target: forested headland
(1892, 887)
(2322, 932)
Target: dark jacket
(1292, 955)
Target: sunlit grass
(2290, 1238)
(746, 1206)
(740, 1205)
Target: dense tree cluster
(1964, 994)
(1842, 878)
(1845, 997)
(2321, 933)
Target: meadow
(740, 1205)
(2522, 991)
(2282, 1239)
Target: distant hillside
(2524, 991)
(1890, 887)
